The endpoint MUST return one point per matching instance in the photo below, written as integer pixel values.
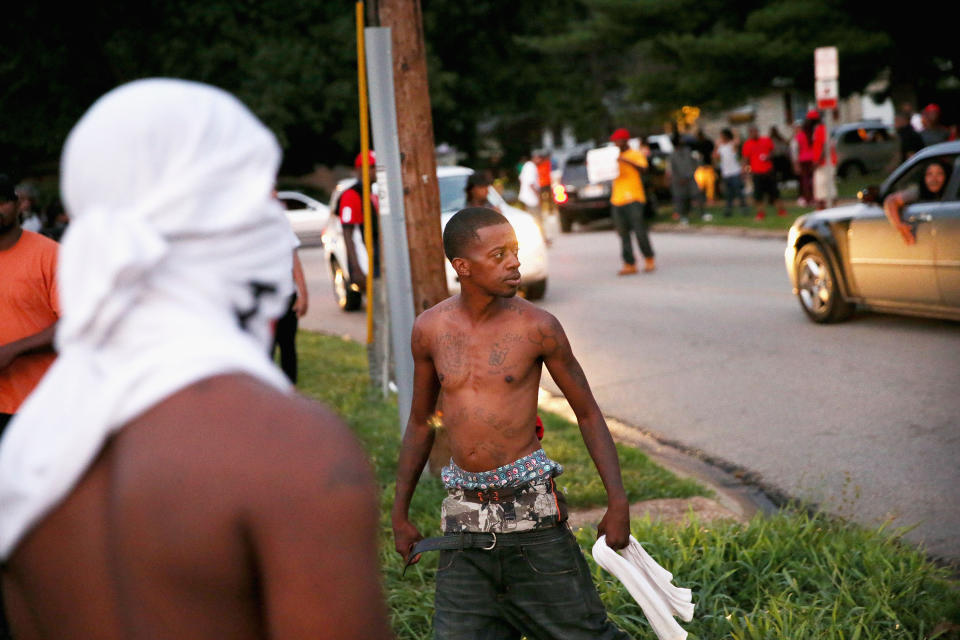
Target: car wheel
(535, 290)
(347, 298)
(817, 287)
(566, 222)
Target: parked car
(577, 200)
(868, 146)
(849, 255)
(452, 182)
(307, 216)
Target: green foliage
(658, 55)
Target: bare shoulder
(542, 329)
(429, 322)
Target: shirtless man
(164, 481)
(521, 571)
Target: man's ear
(461, 266)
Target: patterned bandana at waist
(175, 263)
(515, 474)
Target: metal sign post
(383, 116)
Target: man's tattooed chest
(459, 357)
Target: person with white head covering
(163, 480)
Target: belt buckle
(490, 548)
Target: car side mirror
(870, 195)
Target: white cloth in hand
(650, 585)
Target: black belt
(487, 541)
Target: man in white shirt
(529, 195)
(730, 172)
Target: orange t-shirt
(28, 305)
(543, 171)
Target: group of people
(163, 467)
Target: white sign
(826, 64)
(382, 200)
(602, 165)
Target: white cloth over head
(650, 585)
(176, 260)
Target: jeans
(630, 216)
(284, 339)
(733, 189)
(542, 590)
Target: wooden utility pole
(421, 197)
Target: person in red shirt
(350, 210)
(825, 166)
(757, 156)
(543, 171)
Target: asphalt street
(712, 353)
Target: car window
(914, 175)
(575, 171)
(852, 137)
(452, 192)
(290, 204)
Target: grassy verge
(788, 576)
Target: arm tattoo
(576, 372)
(545, 338)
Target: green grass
(787, 576)
(793, 575)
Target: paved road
(712, 352)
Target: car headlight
(529, 236)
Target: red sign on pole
(827, 93)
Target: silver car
(849, 255)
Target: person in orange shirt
(29, 308)
(544, 166)
(627, 200)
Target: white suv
(452, 183)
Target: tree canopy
(501, 71)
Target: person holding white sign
(627, 200)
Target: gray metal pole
(393, 228)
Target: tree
(717, 53)
(293, 62)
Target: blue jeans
(733, 189)
(630, 217)
(542, 590)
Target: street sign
(827, 92)
(826, 64)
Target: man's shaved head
(462, 229)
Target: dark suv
(578, 200)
